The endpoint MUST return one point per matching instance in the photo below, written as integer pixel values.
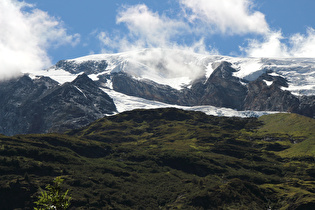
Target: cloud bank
(227, 17)
(202, 19)
(196, 18)
(26, 35)
(274, 44)
(146, 29)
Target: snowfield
(126, 103)
(180, 69)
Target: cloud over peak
(26, 35)
(227, 17)
(155, 29)
(274, 44)
(189, 28)
(145, 29)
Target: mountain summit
(190, 79)
(75, 92)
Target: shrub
(53, 197)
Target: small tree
(53, 198)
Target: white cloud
(152, 28)
(146, 29)
(225, 16)
(303, 45)
(275, 45)
(271, 46)
(50, 30)
(26, 36)
(200, 20)
(112, 43)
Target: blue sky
(38, 33)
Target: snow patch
(249, 69)
(94, 77)
(126, 103)
(80, 91)
(268, 83)
(59, 75)
(274, 74)
(298, 90)
(209, 70)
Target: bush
(53, 198)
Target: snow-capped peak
(164, 66)
(178, 69)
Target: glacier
(179, 69)
(127, 103)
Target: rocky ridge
(40, 104)
(222, 89)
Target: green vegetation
(167, 159)
(53, 197)
(297, 127)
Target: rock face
(307, 106)
(16, 96)
(262, 96)
(147, 89)
(42, 105)
(88, 67)
(222, 89)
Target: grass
(300, 130)
(166, 159)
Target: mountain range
(136, 130)
(75, 92)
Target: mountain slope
(190, 79)
(295, 125)
(76, 92)
(42, 105)
(164, 158)
(179, 69)
(16, 97)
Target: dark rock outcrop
(88, 67)
(16, 95)
(262, 96)
(40, 106)
(224, 90)
(307, 106)
(221, 89)
(147, 89)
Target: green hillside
(301, 128)
(167, 159)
